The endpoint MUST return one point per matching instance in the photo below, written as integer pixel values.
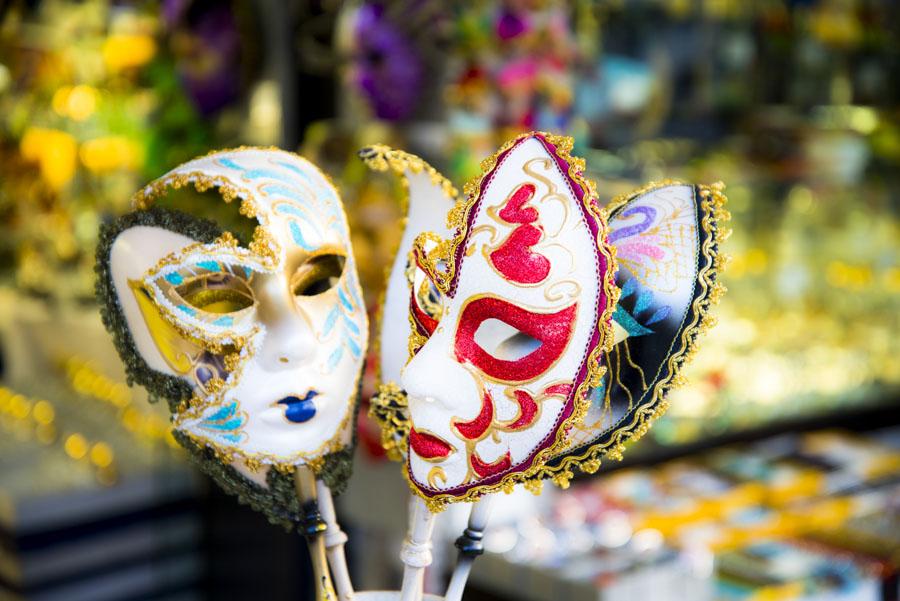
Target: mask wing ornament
(259, 348)
(667, 237)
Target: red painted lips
(428, 446)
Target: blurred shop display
(795, 104)
(138, 539)
(95, 501)
(813, 516)
(95, 98)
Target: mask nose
(432, 378)
(289, 340)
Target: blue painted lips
(299, 410)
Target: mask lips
(429, 446)
(299, 410)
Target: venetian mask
(509, 319)
(261, 346)
(667, 237)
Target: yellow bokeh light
(76, 446)
(82, 102)
(101, 455)
(60, 101)
(43, 412)
(77, 103)
(55, 152)
(108, 153)
(123, 51)
(19, 407)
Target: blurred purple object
(510, 24)
(173, 11)
(389, 71)
(206, 45)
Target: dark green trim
(171, 388)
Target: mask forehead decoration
(260, 348)
(502, 370)
(668, 237)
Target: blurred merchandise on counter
(814, 515)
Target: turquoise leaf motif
(319, 189)
(341, 318)
(209, 265)
(226, 422)
(331, 320)
(290, 188)
(297, 237)
(299, 217)
(248, 173)
(285, 191)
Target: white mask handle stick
(335, 538)
(470, 547)
(416, 551)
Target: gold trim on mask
(434, 474)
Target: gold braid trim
(380, 157)
(389, 409)
(713, 222)
(458, 219)
(428, 264)
(262, 242)
(216, 343)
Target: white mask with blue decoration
(270, 337)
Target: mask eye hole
(217, 293)
(503, 341)
(318, 275)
